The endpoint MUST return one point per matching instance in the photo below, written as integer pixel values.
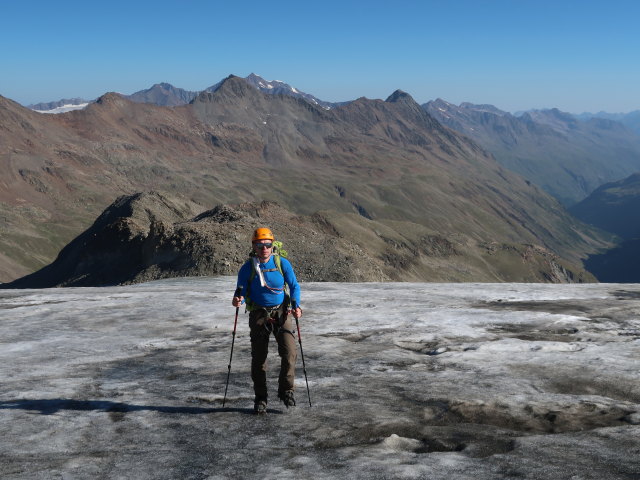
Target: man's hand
(297, 312)
(237, 301)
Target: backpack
(278, 253)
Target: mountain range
(166, 94)
(630, 120)
(566, 157)
(379, 166)
(589, 163)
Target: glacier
(406, 380)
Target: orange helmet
(262, 234)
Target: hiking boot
(288, 398)
(260, 405)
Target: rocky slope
(148, 236)
(387, 161)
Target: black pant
(262, 323)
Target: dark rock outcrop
(149, 236)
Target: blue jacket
(263, 296)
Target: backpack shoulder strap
(253, 270)
(278, 261)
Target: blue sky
(574, 55)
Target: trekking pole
(304, 367)
(233, 340)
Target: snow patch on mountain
(64, 108)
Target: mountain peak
(484, 107)
(230, 87)
(234, 85)
(270, 86)
(252, 77)
(278, 87)
(110, 98)
(400, 96)
(163, 94)
(440, 101)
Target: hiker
(261, 285)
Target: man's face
(263, 249)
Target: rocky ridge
(149, 236)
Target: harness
(274, 318)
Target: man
(261, 284)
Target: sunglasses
(262, 245)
